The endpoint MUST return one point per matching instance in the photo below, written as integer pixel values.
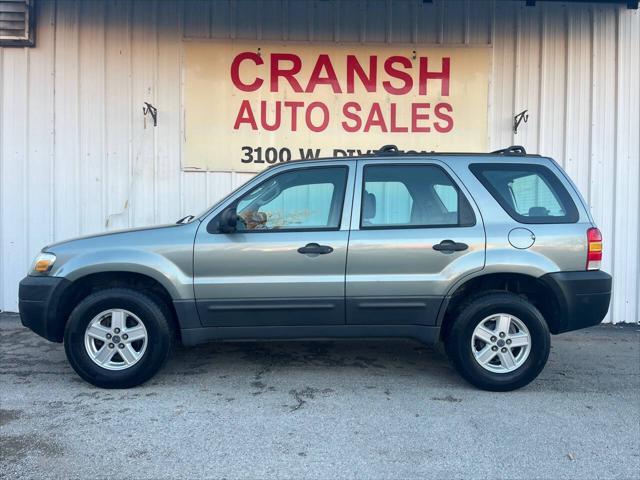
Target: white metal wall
(75, 157)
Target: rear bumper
(38, 300)
(583, 298)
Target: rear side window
(528, 193)
(412, 196)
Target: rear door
(414, 231)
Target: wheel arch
(533, 289)
(83, 286)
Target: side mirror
(228, 220)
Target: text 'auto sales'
(395, 75)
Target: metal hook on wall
(518, 119)
(151, 110)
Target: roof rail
(512, 150)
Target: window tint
(529, 193)
(309, 198)
(412, 196)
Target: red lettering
(347, 112)
(235, 71)
(263, 116)
(323, 62)
(354, 68)
(325, 120)
(398, 74)
(287, 66)
(443, 116)
(245, 115)
(416, 116)
(425, 75)
(294, 113)
(375, 119)
(394, 127)
(287, 73)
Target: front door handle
(314, 248)
(448, 246)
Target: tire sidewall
(470, 318)
(149, 313)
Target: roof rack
(388, 149)
(394, 150)
(512, 150)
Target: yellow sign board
(250, 104)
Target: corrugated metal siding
(76, 158)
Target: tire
(129, 308)
(510, 367)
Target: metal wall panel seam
(440, 22)
(3, 269)
(156, 80)
(129, 180)
(104, 173)
(363, 21)
(542, 61)
(210, 18)
(591, 68)
(414, 22)
(465, 38)
(516, 66)
(310, 23)
(54, 48)
(78, 119)
(233, 33)
(284, 26)
(27, 156)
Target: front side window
(412, 196)
(303, 199)
(528, 193)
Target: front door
(285, 263)
(414, 233)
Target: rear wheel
(118, 338)
(499, 342)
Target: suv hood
(116, 235)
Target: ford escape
(488, 253)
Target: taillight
(594, 249)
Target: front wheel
(118, 338)
(499, 342)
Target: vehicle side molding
(195, 336)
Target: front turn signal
(43, 262)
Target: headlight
(43, 262)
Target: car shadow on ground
(579, 361)
(367, 356)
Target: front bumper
(38, 302)
(582, 297)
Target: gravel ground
(326, 410)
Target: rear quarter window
(528, 193)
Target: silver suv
(489, 253)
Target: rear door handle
(314, 248)
(450, 246)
